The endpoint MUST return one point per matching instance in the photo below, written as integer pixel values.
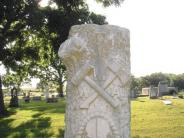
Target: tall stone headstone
(163, 88)
(98, 66)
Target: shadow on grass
(137, 136)
(5, 127)
(36, 128)
(138, 100)
(8, 113)
(61, 133)
(142, 101)
(42, 106)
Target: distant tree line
(153, 80)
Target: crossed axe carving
(82, 75)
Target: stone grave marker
(163, 88)
(153, 92)
(98, 67)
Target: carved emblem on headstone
(98, 67)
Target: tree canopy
(30, 36)
(16, 17)
(107, 3)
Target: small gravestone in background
(48, 98)
(27, 97)
(167, 102)
(133, 94)
(46, 92)
(14, 98)
(52, 99)
(36, 98)
(153, 92)
(145, 91)
(98, 66)
(163, 88)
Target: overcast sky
(157, 33)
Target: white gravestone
(98, 66)
(46, 92)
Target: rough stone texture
(98, 66)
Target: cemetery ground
(149, 119)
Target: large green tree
(178, 81)
(16, 17)
(21, 20)
(55, 30)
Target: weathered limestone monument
(98, 66)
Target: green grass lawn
(150, 119)
(153, 119)
(34, 120)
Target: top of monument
(98, 28)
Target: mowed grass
(149, 119)
(36, 119)
(153, 119)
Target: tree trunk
(2, 106)
(60, 90)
